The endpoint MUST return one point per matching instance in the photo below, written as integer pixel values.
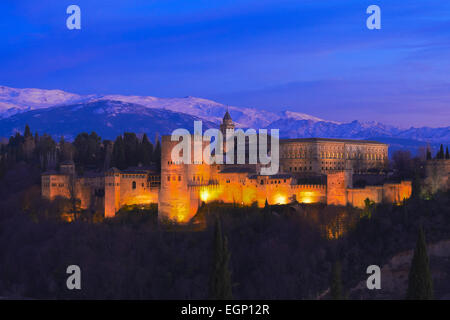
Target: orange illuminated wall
(396, 193)
(357, 197)
(239, 189)
(55, 185)
(176, 201)
(337, 188)
(387, 193)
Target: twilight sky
(311, 56)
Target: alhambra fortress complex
(313, 170)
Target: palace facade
(311, 170)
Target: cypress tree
(145, 151)
(131, 144)
(420, 283)
(447, 155)
(440, 154)
(157, 155)
(428, 154)
(416, 185)
(220, 280)
(266, 206)
(3, 166)
(336, 282)
(266, 213)
(118, 154)
(27, 132)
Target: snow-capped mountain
(107, 118)
(291, 128)
(214, 111)
(13, 101)
(60, 113)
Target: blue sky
(311, 56)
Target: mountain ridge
(58, 115)
(13, 101)
(106, 117)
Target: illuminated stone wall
(55, 185)
(356, 197)
(320, 156)
(337, 188)
(397, 192)
(177, 201)
(241, 189)
(387, 193)
(112, 192)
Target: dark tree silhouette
(440, 154)
(220, 281)
(27, 132)
(88, 149)
(429, 157)
(420, 284)
(336, 282)
(157, 155)
(145, 151)
(118, 154)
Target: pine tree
(336, 282)
(220, 280)
(447, 155)
(420, 283)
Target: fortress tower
(179, 196)
(226, 125)
(112, 192)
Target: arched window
(134, 185)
